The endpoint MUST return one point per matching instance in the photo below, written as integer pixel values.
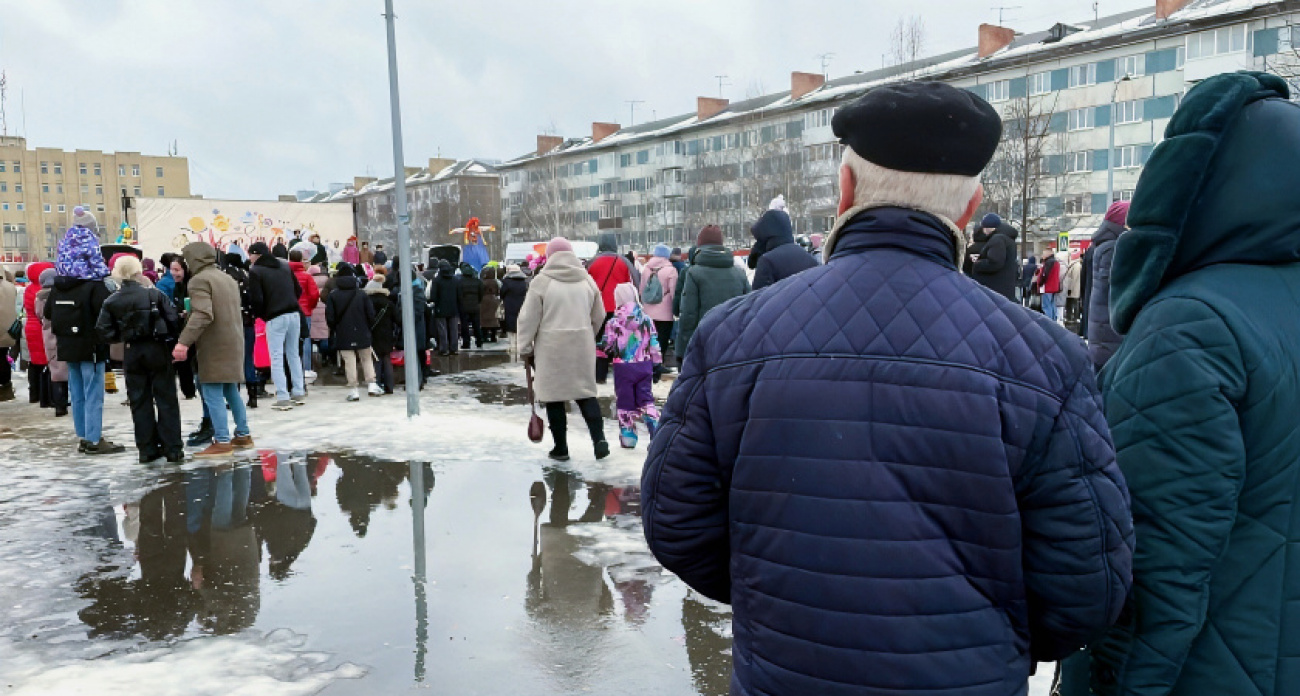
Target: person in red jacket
(308, 300)
(609, 270)
(1049, 283)
(37, 360)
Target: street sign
(1062, 241)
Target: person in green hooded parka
(1202, 399)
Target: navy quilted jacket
(901, 481)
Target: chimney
(802, 83)
(994, 38)
(411, 171)
(546, 143)
(437, 164)
(708, 107)
(359, 182)
(1166, 8)
(600, 131)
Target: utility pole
(403, 226)
(632, 104)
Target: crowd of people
(913, 462)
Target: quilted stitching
(902, 481)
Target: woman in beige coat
(557, 335)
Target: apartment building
(39, 187)
(1083, 104)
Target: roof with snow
(1061, 40)
(461, 168)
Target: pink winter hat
(557, 245)
(1118, 213)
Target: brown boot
(216, 450)
(242, 442)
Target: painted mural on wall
(170, 224)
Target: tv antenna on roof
(1002, 10)
(826, 62)
(632, 105)
(721, 83)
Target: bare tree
(544, 204)
(1020, 173)
(907, 40)
(1286, 64)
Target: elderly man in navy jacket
(901, 481)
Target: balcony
(672, 189)
(614, 223)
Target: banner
(168, 224)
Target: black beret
(926, 127)
(260, 248)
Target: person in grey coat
(1103, 340)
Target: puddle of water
(523, 581)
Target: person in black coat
(996, 267)
(514, 288)
(349, 314)
(147, 323)
(781, 257)
(976, 249)
(383, 331)
(471, 296)
(443, 294)
(273, 291)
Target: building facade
(439, 198)
(1065, 94)
(40, 187)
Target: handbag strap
(532, 400)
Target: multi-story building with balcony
(40, 187)
(1083, 105)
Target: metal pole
(403, 254)
(1110, 154)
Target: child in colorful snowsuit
(632, 342)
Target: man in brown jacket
(215, 329)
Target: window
(135, 170)
(16, 236)
(20, 206)
(97, 170)
(47, 207)
(1126, 195)
(999, 91)
(1081, 119)
(1128, 157)
(99, 208)
(4, 206)
(643, 157)
(1078, 161)
(1083, 75)
(62, 208)
(18, 167)
(160, 191)
(99, 189)
(45, 188)
(45, 167)
(81, 169)
(158, 172)
(2, 166)
(18, 188)
(58, 168)
(1133, 66)
(1208, 44)
(137, 192)
(4, 187)
(1128, 111)
(121, 170)
(1040, 83)
(818, 119)
(1038, 207)
(58, 188)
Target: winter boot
(627, 437)
(110, 381)
(560, 452)
(104, 447)
(7, 391)
(651, 424)
(602, 449)
(354, 395)
(203, 435)
(252, 396)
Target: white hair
(127, 268)
(945, 195)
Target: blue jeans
(250, 370)
(1049, 306)
(217, 397)
(306, 347)
(86, 388)
(282, 337)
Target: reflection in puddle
(258, 544)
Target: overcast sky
(271, 96)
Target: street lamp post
(404, 257)
(1110, 154)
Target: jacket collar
(957, 241)
(913, 231)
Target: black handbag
(15, 329)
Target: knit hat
(259, 248)
(557, 245)
(47, 277)
(677, 254)
(625, 293)
(1118, 213)
(663, 252)
(82, 218)
(342, 269)
(992, 220)
(126, 267)
(711, 234)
